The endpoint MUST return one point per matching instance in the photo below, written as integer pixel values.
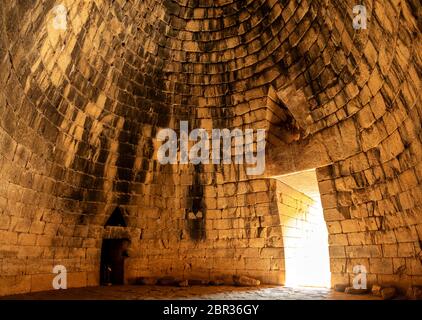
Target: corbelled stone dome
(85, 86)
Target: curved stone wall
(83, 96)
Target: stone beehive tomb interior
(85, 87)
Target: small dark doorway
(113, 254)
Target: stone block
(351, 290)
(376, 290)
(245, 281)
(340, 287)
(388, 293)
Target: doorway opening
(113, 254)
(305, 235)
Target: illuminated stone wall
(81, 102)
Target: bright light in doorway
(305, 236)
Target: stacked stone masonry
(80, 108)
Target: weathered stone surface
(340, 287)
(217, 282)
(376, 290)
(351, 290)
(245, 281)
(148, 281)
(414, 292)
(184, 283)
(194, 292)
(81, 105)
(388, 293)
(197, 282)
(167, 281)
